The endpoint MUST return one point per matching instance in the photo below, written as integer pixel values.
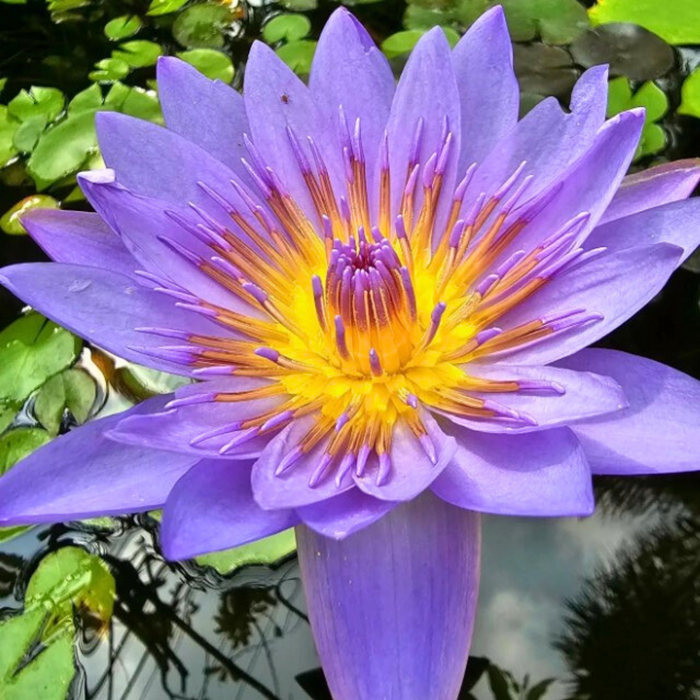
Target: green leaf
(143, 382)
(265, 551)
(556, 21)
(32, 349)
(202, 26)
(538, 691)
(122, 27)
(71, 577)
(3, 82)
(63, 149)
(676, 21)
(298, 55)
(10, 221)
(73, 390)
(498, 683)
(143, 104)
(286, 27)
(18, 443)
(90, 98)
(138, 53)
(300, 5)
(654, 101)
(38, 101)
(8, 533)
(8, 129)
(401, 43)
(23, 674)
(214, 64)
(109, 70)
(690, 96)
(28, 133)
(164, 7)
(8, 411)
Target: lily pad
(90, 98)
(298, 55)
(138, 53)
(32, 349)
(10, 221)
(214, 64)
(18, 443)
(109, 69)
(402, 43)
(143, 382)
(690, 95)
(72, 390)
(265, 551)
(164, 7)
(543, 69)
(629, 50)
(202, 26)
(28, 133)
(676, 21)
(143, 104)
(8, 129)
(555, 21)
(122, 27)
(286, 27)
(37, 101)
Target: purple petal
(412, 469)
(615, 285)
(83, 474)
(180, 429)
(584, 394)
(677, 223)
(80, 238)
(653, 187)
(659, 432)
(349, 70)
(538, 474)
(291, 488)
(392, 607)
(341, 516)
(488, 88)
(212, 508)
(105, 308)
(206, 112)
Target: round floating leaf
(38, 101)
(286, 27)
(556, 21)
(690, 95)
(143, 104)
(109, 70)
(138, 53)
(300, 5)
(18, 443)
(73, 390)
(122, 27)
(298, 55)
(8, 129)
(628, 49)
(8, 411)
(214, 64)
(265, 551)
(28, 133)
(63, 149)
(401, 43)
(544, 70)
(202, 26)
(90, 98)
(11, 223)
(676, 21)
(32, 349)
(164, 7)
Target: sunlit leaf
(28, 133)
(286, 27)
(401, 43)
(690, 95)
(90, 98)
(32, 349)
(72, 390)
(143, 104)
(556, 21)
(265, 551)
(202, 26)
(214, 64)
(298, 55)
(8, 129)
(109, 69)
(138, 53)
(17, 443)
(10, 221)
(163, 7)
(37, 101)
(676, 21)
(122, 27)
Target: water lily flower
(384, 293)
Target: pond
(571, 609)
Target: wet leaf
(109, 70)
(265, 551)
(163, 7)
(8, 129)
(143, 382)
(122, 27)
(10, 221)
(38, 101)
(32, 349)
(214, 64)
(90, 98)
(138, 53)
(72, 390)
(690, 95)
(298, 55)
(556, 21)
(202, 26)
(18, 443)
(63, 149)
(286, 27)
(676, 21)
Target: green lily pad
(28, 133)
(32, 349)
(18, 443)
(286, 27)
(164, 7)
(298, 55)
(202, 26)
(72, 390)
(3, 82)
(109, 69)
(143, 104)
(138, 53)
(214, 64)
(401, 43)
(63, 149)
(300, 5)
(8, 129)
(8, 411)
(265, 551)
(678, 21)
(555, 21)
(690, 95)
(90, 98)
(38, 101)
(10, 221)
(122, 27)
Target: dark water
(609, 606)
